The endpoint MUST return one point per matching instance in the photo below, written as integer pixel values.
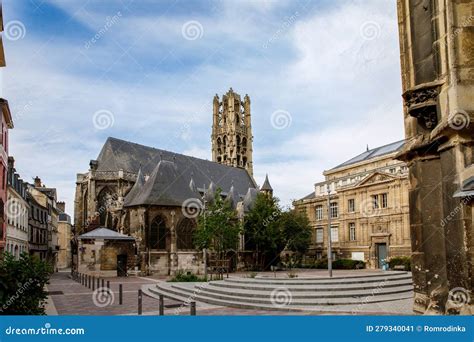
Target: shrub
(400, 261)
(186, 277)
(339, 264)
(22, 285)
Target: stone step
(216, 292)
(312, 287)
(299, 304)
(315, 281)
(370, 275)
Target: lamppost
(329, 234)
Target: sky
(323, 78)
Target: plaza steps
(304, 294)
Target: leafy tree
(269, 231)
(296, 231)
(218, 227)
(262, 230)
(22, 285)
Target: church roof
(165, 186)
(104, 234)
(118, 154)
(373, 153)
(136, 189)
(266, 185)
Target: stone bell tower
(232, 131)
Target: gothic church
(149, 195)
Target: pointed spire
(266, 185)
(210, 193)
(232, 196)
(367, 147)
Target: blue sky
(146, 71)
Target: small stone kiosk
(106, 253)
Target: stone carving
(421, 103)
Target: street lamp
(329, 234)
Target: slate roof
(266, 185)
(170, 173)
(105, 234)
(373, 153)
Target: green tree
(218, 227)
(296, 231)
(262, 230)
(22, 285)
(269, 231)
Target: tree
(218, 227)
(262, 231)
(269, 231)
(296, 231)
(22, 285)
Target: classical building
(368, 208)
(232, 131)
(46, 198)
(6, 124)
(17, 210)
(64, 237)
(437, 63)
(154, 196)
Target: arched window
(158, 234)
(185, 233)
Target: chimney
(37, 182)
(61, 206)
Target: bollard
(89, 282)
(93, 283)
(162, 305)
(98, 283)
(193, 308)
(82, 279)
(103, 283)
(108, 284)
(140, 302)
(120, 294)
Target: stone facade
(64, 237)
(368, 207)
(17, 213)
(437, 63)
(232, 138)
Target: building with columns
(368, 208)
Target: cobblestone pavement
(69, 297)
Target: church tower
(232, 131)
